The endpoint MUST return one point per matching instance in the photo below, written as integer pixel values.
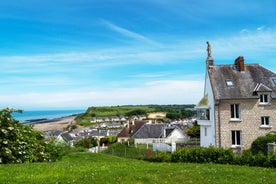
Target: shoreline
(54, 124)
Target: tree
(20, 143)
(194, 131)
(88, 142)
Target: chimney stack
(239, 62)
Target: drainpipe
(219, 127)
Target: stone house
(239, 104)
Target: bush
(88, 142)
(107, 140)
(20, 143)
(204, 155)
(260, 144)
(57, 150)
(270, 160)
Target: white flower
(10, 128)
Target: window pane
(238, 134)
(233, 138)
(261, 98)
(265, 98)
(266, 120)
(232, 111)
(237, 111)
(263, 121)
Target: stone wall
(250, 121)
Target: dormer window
(264, 99)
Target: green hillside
(128, 110)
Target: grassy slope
(109, 111)
(99, 168)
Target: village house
(238, 105)
(130, 129)
(161, 133)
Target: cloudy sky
(68, 54)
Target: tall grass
(100, 168)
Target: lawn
(100, 168)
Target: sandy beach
(55, 125)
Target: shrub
(88, 142)
(204, 155)
(270, 160)
(260, 144)
(20, 143)
(107, 140)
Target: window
(265, 121)
(229, 83)
(264, 99)
(235, 111)
(203, 114)
(236, 137)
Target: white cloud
(128, 33)
(154, 92)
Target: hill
(174, 111)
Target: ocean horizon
(44, 114)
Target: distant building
(157, 115)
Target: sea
(44, 114)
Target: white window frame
(237, 139)
(265, 122)
(235, 112)
(264, 99)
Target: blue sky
(68, 54)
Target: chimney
(239, 62)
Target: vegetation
(86, 143)
(108, 140)
(124, 150)
(100, 168)
(173, 111)
(260, 144)
(194, 131)
(20, 143)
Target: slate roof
(150, 131)
(66, 137)
(128, 131)
(254, 78)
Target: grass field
(100, 168)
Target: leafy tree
(173, 115)
(136, 112)
(194, 131)
(88, 142)
(20, 143)
(107, 140)
(188, 113)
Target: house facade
(160, 133)
(239, 104)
